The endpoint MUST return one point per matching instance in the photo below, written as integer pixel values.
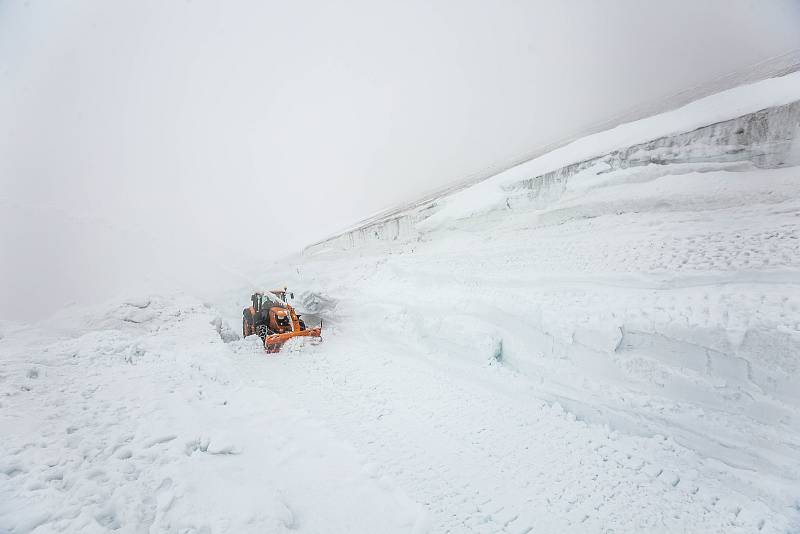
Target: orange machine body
(275, 321)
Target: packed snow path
(486, 456)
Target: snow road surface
(629, 371)
(623, 359)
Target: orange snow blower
(272, 319)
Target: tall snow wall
(643, 276)
(768, 138)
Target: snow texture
(144, 420)
(755, 124)
(605, 339)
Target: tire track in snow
(481, 462)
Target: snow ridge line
(772, 67)
(763, 137)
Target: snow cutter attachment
(275, 321)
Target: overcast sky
(151, 143)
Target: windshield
(271, 300)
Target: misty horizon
(150, 145)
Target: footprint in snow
(159, 440)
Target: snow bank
(755, 123)
(671, 132)
(643, 278)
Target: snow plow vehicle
(275, 321)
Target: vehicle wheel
(261, 330)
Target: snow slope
(658, 296)
(138, 418)
(621, 356)
(653, 312)
(704, 113)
